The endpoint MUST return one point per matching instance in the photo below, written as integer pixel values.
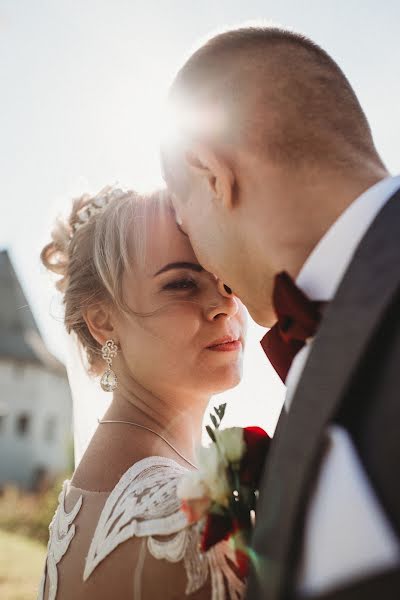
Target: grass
(21, 566)
(29, 513)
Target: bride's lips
(225, 344)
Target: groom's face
(217, 235)
(200, 220)
(222, 229)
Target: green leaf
(214, 421)
(210, 433)
(222, 408)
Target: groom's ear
(213, 171)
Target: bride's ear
(213, 171)
(98, 319)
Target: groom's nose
(224, 289)
(223, 303)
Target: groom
(276, 180)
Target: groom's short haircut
(276, 91)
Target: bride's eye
(185, 283)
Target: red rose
(242, 563)
(217, 528)
(241, 540)
(257, 443)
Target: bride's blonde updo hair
(90, 252)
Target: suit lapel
(349, 323)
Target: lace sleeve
(144, 504)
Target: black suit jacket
(352, 377)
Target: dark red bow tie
(298, 320)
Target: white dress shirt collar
(323, 270)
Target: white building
(35, 401)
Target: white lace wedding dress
(133, 543)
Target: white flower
(212, 468)
(208, 459)
(231, 443)
(192, 486)
(194, 495)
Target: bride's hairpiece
(96, 205)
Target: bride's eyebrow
(180, 265)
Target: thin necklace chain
(155, 433)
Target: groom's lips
(225, 344)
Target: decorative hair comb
(96, 205)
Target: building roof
(20, 338)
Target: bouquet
(221, 496)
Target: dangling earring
(109, 379)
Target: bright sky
(83, 86)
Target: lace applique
(144, 503)
(173, 550)
(183, 546)
(61, 533)
(224, 581)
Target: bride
(165, 336)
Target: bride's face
(192, 337)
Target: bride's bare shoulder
(105, 461)
(111, 454)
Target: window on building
(39, 479)
(4, 411)
(50, 429)
(23, 423)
